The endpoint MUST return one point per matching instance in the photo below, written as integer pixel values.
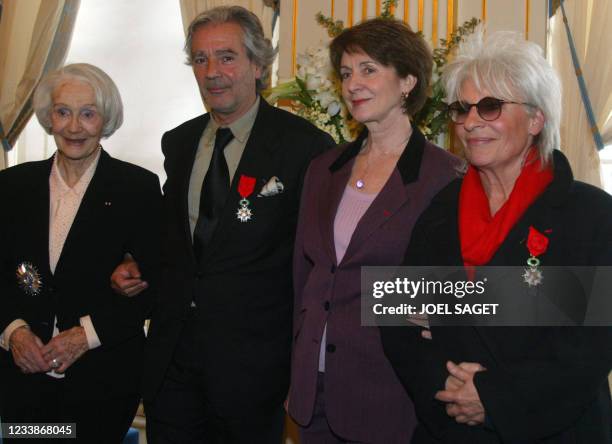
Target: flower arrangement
(315, 95)
(433, 118)
(315, 92)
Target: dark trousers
(40, 398)
(190, 409)
(319, 430)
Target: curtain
(588, 21)
(191, 8)
(34, 39)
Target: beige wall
(436, 18)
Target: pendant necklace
(360, 183)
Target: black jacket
(243, 284)
(542, 385)
(119, 213)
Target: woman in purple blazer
(359, 204)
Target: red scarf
(480, 233)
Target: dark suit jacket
(542, 385)
(243, 285)
(118, 213)
(364, 400)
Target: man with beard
(218, 357)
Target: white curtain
(588, 21)
(34, 38)
(191, 8)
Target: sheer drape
(191, 8)
(34, 38)
(588, 21)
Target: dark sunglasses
(489, 109)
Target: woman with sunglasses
(508, 384)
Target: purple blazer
(364, 399)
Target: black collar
(563, 178)
(409, 163)
(555, 194)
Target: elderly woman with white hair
(518, 202)
(72, 348)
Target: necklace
(360, 183)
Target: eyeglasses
(489, 109)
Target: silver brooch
(29, 279)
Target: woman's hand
(26, 348)
(64, 349)
(426, 334)
(460, 394)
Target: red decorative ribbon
(537, 243)
(246, 186)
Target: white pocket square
(272, 188)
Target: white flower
(313, 82)
(325, 98)
(315, 70)
(333, 108)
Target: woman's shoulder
(581, 193)
(588, 206)
(439, 158)
(130, 173)
(131, 168)
(447, 198)
(328, 158)
(438, 168)
(25, 171)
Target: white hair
(510, 68)
(108, 99)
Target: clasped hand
(32, 356)
(460, 394)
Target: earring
(404, 97)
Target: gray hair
(259, 49)
(514, 69)
(108, 99)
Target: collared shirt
(64, 203)
(241, 129)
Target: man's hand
(26, 349)
(64, 349)
(126, 279)
(460, 394)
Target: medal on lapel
(246, 185)
(537, 244)
(29, 279)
